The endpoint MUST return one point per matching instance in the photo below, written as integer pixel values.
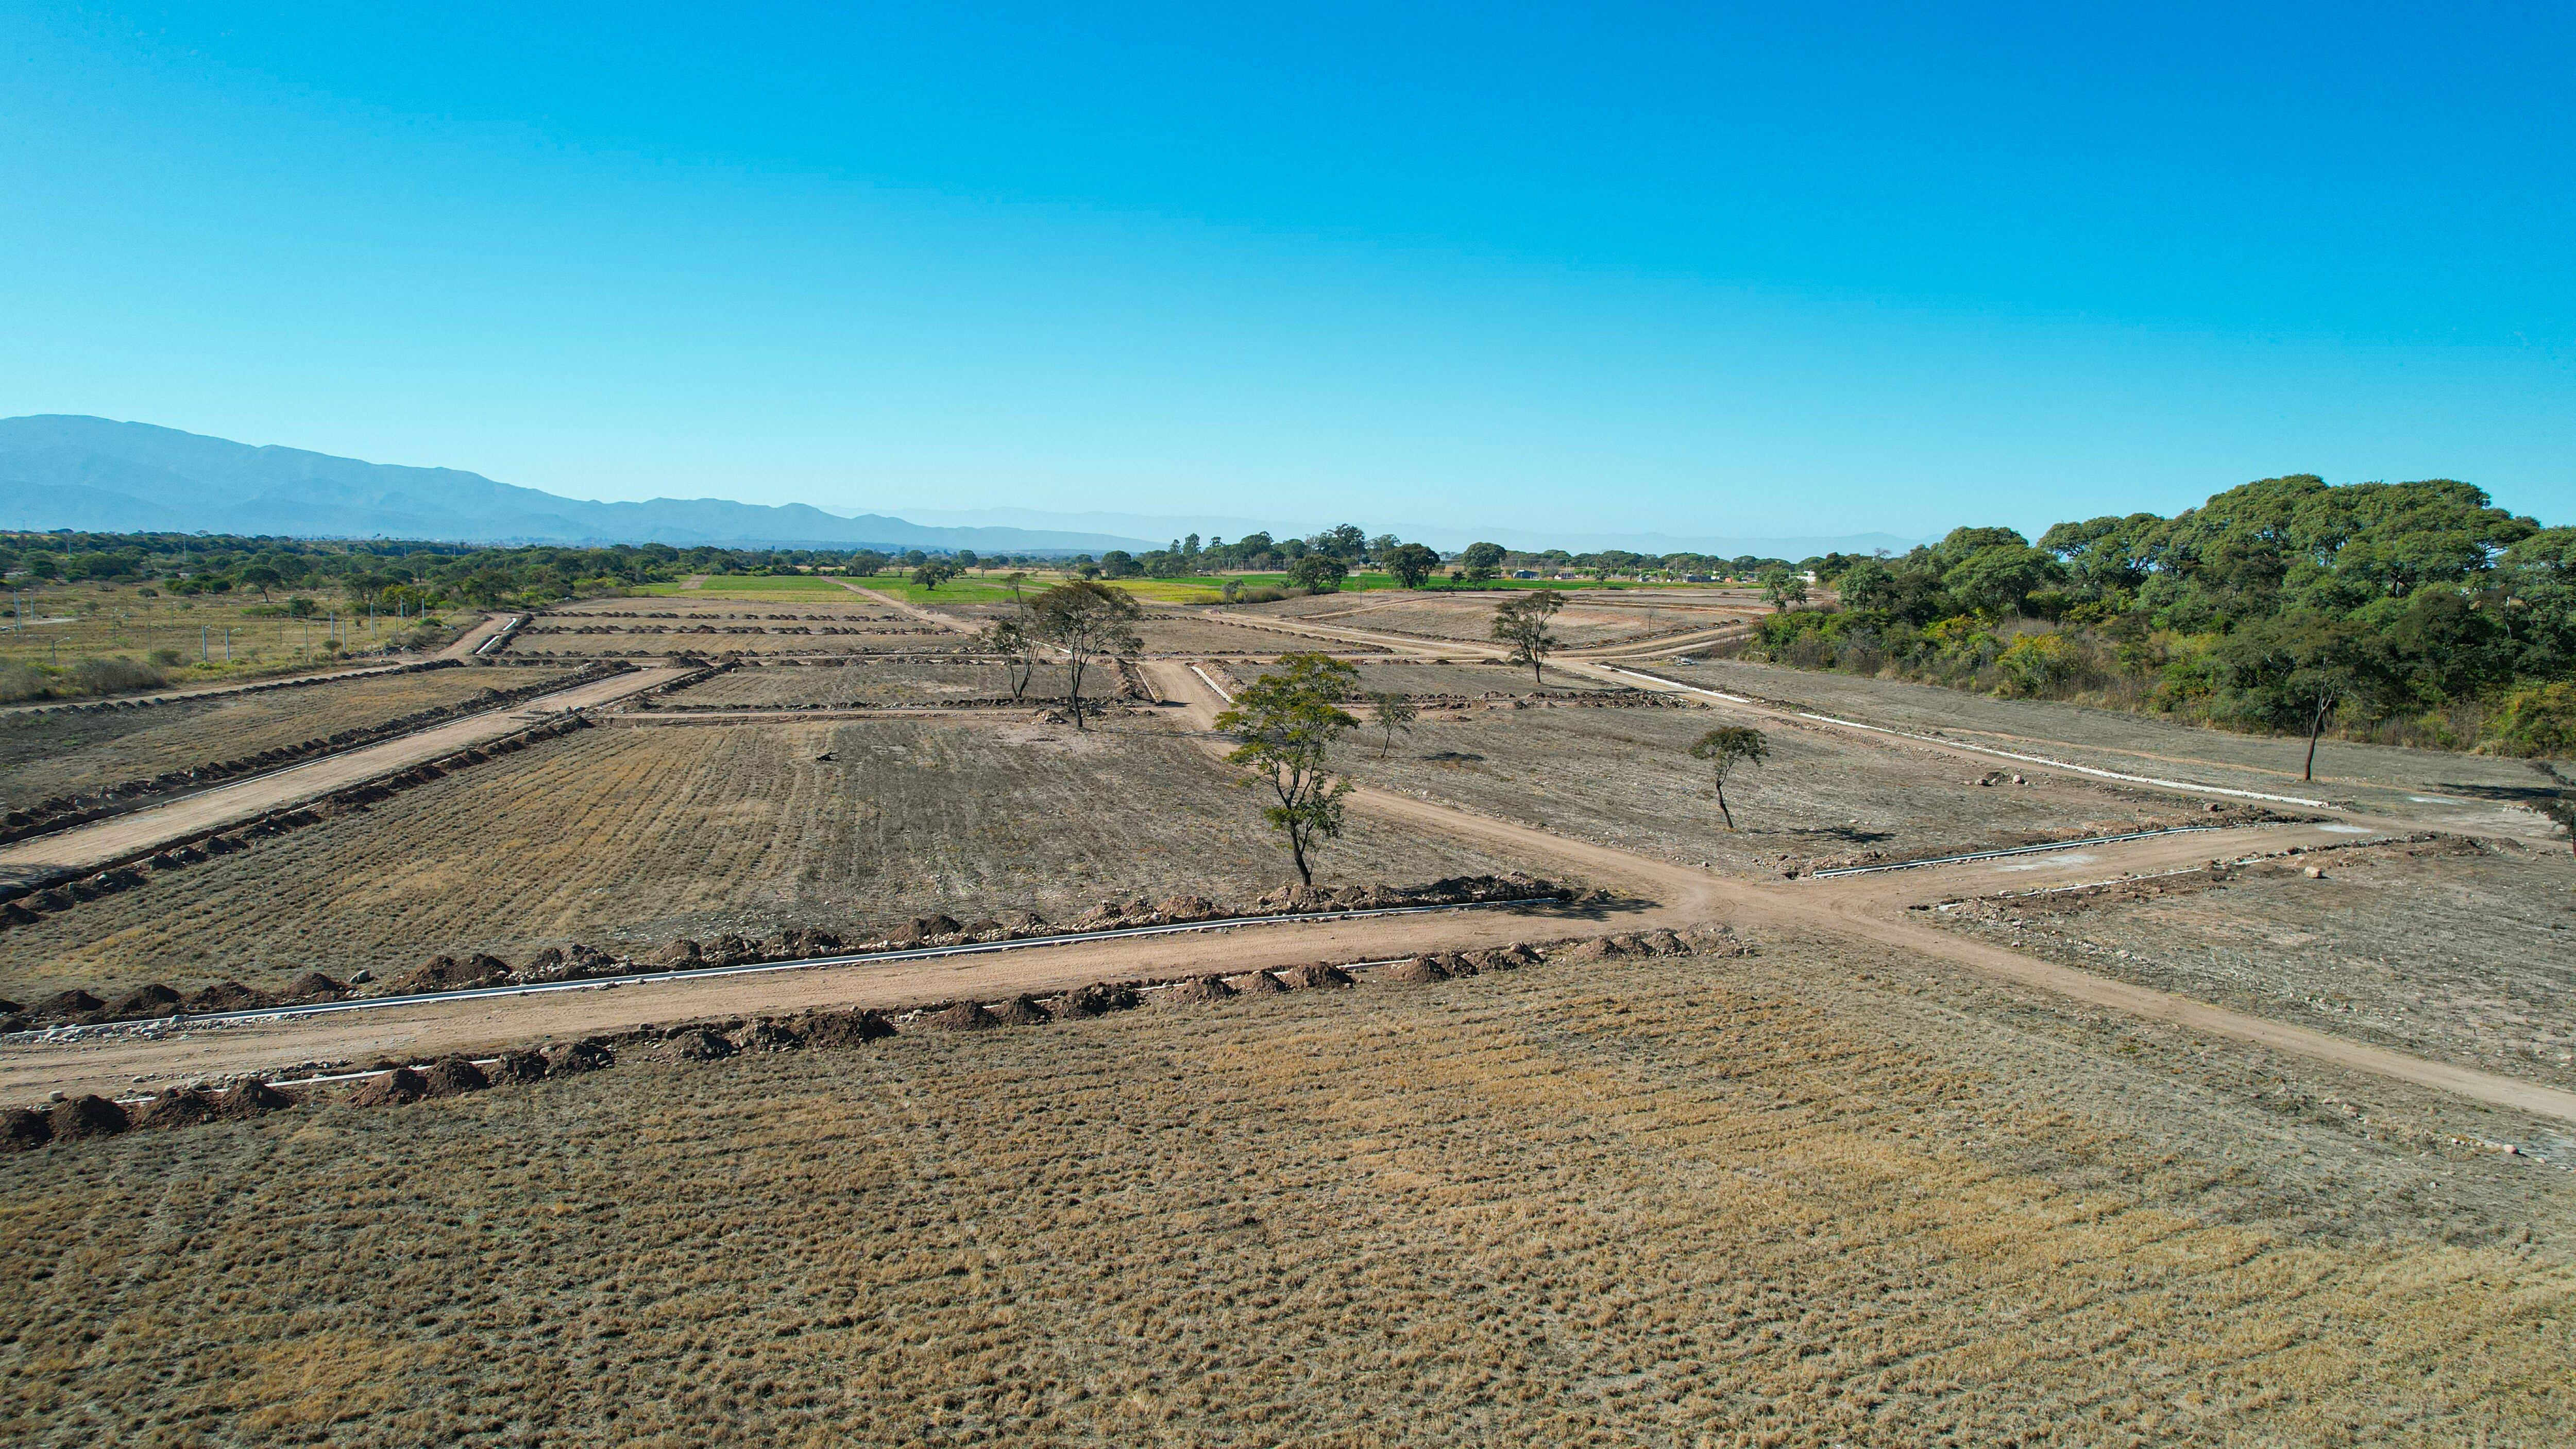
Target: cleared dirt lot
(1623, 776)
(47, 754)
(2464, 788)
(1585, 621)
(2442, 949)
(632, 836)
(1791, 1200)
(879, 682)
(1468, 678)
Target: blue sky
(1606, 268)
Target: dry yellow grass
(1673, 1202)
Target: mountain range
(59, 471)
(62, 471)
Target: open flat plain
(2036, 1168)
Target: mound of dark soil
(564, 1059)
(1259, 983)
(964, 1016)
(697, 1044)
(843, 1028)
(87, 1117)
(678, 955)
(446, 973)
(252, 1099)
(1312, 977)
(144, 1001)
(1417, 968)
(1021, 1011)
(1095, 1000)
(24, 1128)
(1186, 908)
(224, 996)
(517, 1066)
(70, 1005)
(796, 943)
(402, 1084)
(766, 1036)
(313, 984)
(178, 1107)
(730, 950)
(454, 1077)
(1199, 992)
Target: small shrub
(2537, 720)
(114, 676)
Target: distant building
(1524, 573)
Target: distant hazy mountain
(89, 473)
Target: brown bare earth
(628, 837)
(88, 846)
(2162, 1141)
(61, 752)
(1795, 1199)
(877, 681)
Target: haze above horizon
(1622, 269)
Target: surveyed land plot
(1471, 679)
(1469, 617)
(2445, 949)
(1788, 1200)
(2385, 775)
(626, 838)
(873, 681)
(1624, 777)
(62, 752)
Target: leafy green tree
(1393, 714)
(1343, 541)
(1286, 724)
(1410, 563)
(1782, 586)
(1017, 644)
(1727, 748)
(262, 577)
(1087, 620)
(1481, 561)
(1520, 622)
(2294, 672)
(929, 574)
(1321, 572)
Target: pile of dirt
(87, 1117)
(178, 1107)
(251, 1099)
(1317, 975)
(401, 1084)
(1718, 942)
(223, 996)
(1094, 1000)
(1199, 991)
(678, 955)
(23, 1129)
(312, 985)
(144, 1002)
(843, 1028)
(924, 930)
(446, 973)
(964, 1016)
(729, 950)
(518, 1066)
(1186, 908)
(73, 1005)
(797, 943)
(1412, 969)
(766, 1036)
(454, 1077)
(697, 1044)
(565, 1059)
(1021, 1011)
(1259, 983)
(575, 962)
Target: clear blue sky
(1586, 267)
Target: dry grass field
(2445, 950)
(1792, 1200)
(624, 837)
(1469, 677)
(1624, 777)
(49, 753)
(67, 622)
(2117, 739)
(1583, 622)
(872, 681)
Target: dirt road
(90, 846)
(1870, 910)
(927, 616)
